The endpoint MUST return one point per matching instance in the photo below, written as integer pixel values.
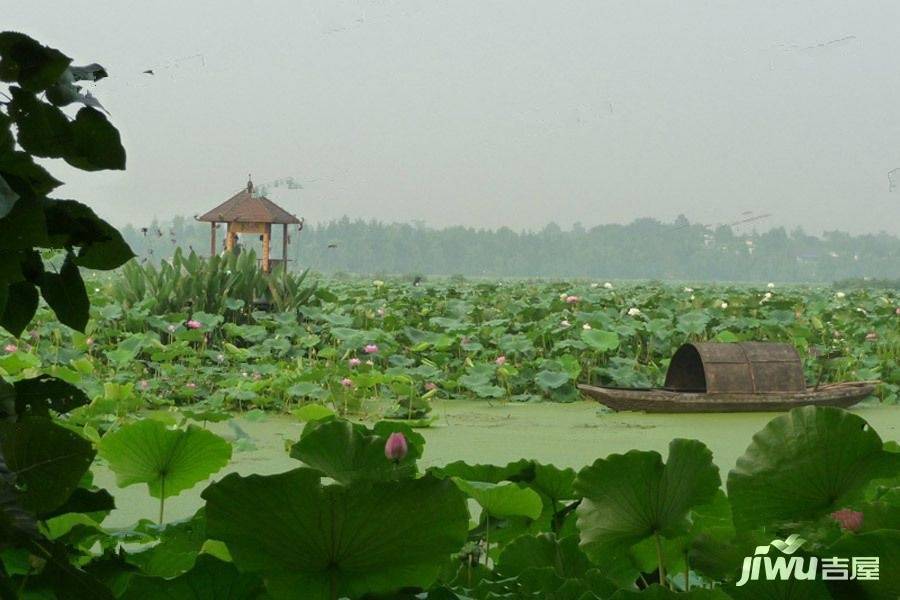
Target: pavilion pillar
(212, 239)
(266, 243)
(230, 238)
(284, 245)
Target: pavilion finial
(249, 183)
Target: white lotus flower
(840, 294)
(770, 285)
(608, 285)
(723, 305)
(688, 290)
(565, 323)
(633, 312)
(586, 326)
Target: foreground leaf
(804, 464)
(47, 460)
(348, 452)
(210, 579)
(167, 460)
(630, 497)
(322, 542)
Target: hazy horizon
(487, 115)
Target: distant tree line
(643, 249)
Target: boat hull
(666, 401)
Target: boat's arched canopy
(745, 367)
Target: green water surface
(567, 435)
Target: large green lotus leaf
(790, 589)
(804, 464)
(708, 543)
(348, 452)
(210, 579)
(657, 592)
(47, 460)
(550, 380)
(177, 550)
(630, 497)
(601, 341)
(503, 500)
(545, 583)
(707, 540)
(883, 543)
(521, 470)
(543, 550)
(167, 460)
(321, 542)
(553, 482)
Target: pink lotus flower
(371, 348)
(192, 324)
(500, 360)
(871, 336)
(347, 382)
(143, 384)
(430, 386)
(849, 520)
(395, 448)
(380, 312)
(354, 362)
(572, 299)
(89, 341)
(10, 348)
(897, 312)
(191, 385)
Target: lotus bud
(395, 448)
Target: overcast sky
(486, 113)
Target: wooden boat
(732, 377)
(670, 401)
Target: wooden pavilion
(248, 212)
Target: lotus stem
(162, 500)
(659, 558)
(487, 536)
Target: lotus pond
(199, 429)
(568, 435)
(218, 430)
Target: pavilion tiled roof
(246, 207)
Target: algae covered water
(566, 435)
